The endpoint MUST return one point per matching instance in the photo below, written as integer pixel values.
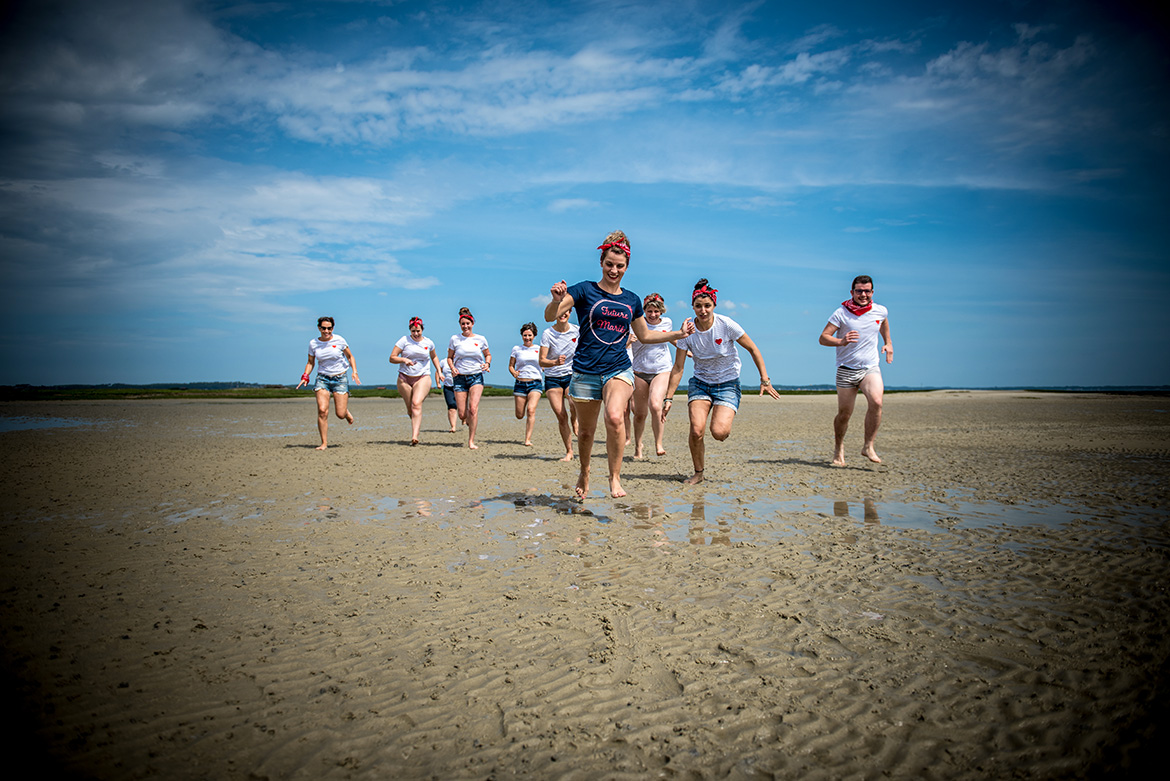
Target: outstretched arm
(746, 343)
(888, 349)
(676, 373)
(561, 302)
(646, 336)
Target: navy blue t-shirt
(605, 322)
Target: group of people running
(616, 360)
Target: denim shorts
(557, 382)
(524, 387)
(464, 382)
(720, 394)
(449, 397)
(334, 383)
(588, 387)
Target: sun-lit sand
(190, 590)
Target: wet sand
(190, 590)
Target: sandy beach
(190, 590)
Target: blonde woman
(651, 363)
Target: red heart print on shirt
(718, 341)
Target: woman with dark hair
(524, 365)
(558, 344)
(332, 355)
(469, 358)
(714, 388)
(412, 353)
(602, 377)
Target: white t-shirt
(419, 352)
(527, 362)
(864, 353)
(330, 357)
(469, 357)
(716, 359)
(558, 344)
(653, 358)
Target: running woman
(469, 358)
(411, 353)
(334, 359)
(524, 365)
(854, 329)
(651, 376)
(714, 387)
(602, 376)
(558, 343)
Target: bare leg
(453, 418)
(846, 398)
(657, 401)
(616, 398)
(586, 429)
(473, 395)
(530, 410)
(641, 410)
(556, 400)
(323, 418)
(461, 405)
(873, 388)
(697, 412)
(418, 395)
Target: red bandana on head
(618, 245)
(705, 291)
(855, 309)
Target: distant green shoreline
(227, 391)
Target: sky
(186, 186)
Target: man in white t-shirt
(854, 330)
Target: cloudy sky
(186, 186)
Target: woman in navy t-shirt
(602, 375)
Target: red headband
(705, 291)
(468, 316)
(650, 299)
(414, 320)
(623, 246)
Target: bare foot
(639, 456)
(527, 444)
(322, 446)
(838, 457)
(413, 442)
(871, 454)
(451, 431)
(349, 417)
(661, 451)
(473, 446)
(568, 457)
(583, 485)
(694, 479)
(615, 487)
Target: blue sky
(186, 186)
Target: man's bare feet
(694, 479)
(567, 457)
(615, 487)
(583, 485)
(838, 457)
(871, 454)
(322, 446)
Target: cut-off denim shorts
(557, 382)
(524, 387)
(720, 394)
(464, 382)
(588, 387)
(334, 383)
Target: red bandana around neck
(855, 309)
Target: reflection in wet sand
(869, 508)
